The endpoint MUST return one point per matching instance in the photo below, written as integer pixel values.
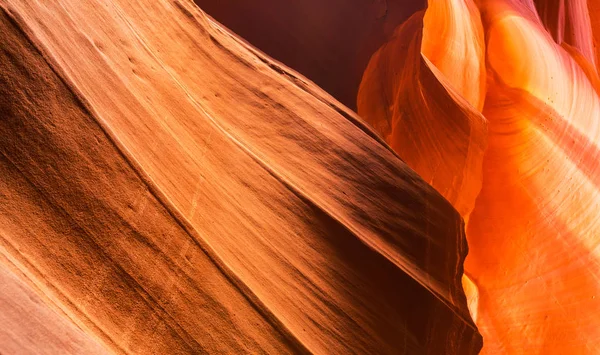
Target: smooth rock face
(29, 326)
(328, 41)
(538, 272)
(169, 189)
(532, 228)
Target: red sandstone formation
(533, 228)
(539, 272)
(423, 113)
(166, 188)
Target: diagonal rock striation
(171, 190)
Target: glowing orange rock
(533, 233)
(419, 107)
(533, 262)
(453, 42)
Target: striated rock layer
(168, 189)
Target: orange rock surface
(537, 274)
(424, 114)
(533, 267)
(166, 188)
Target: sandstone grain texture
(172, 190)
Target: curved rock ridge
(330, 42)
(171, 190)
(532, 228)
(422, 110)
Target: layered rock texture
(166, 188)
(527, 71)
(170, 185)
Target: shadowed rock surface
(169, 189)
